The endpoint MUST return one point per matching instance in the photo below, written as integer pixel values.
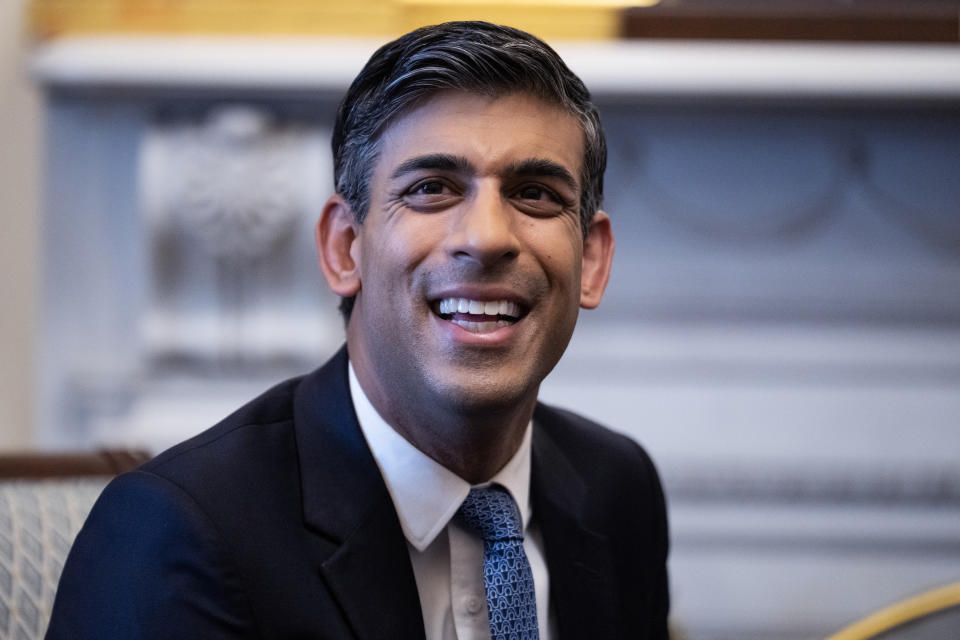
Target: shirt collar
(425, 494)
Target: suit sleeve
(659, 585)
(149, 564)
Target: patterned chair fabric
(38, 522)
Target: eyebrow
(433, 161)
(541, 167)
(531, 167)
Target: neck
(474, 448)
(473, 443)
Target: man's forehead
(526, 129)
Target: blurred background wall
(782, 329)
(20, 117)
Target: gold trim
(902, 612)
(223, 17)
(567, 19)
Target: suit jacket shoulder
(594, 449)
(257, 528)
(602, 510)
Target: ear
(597, 259)
(337, 248)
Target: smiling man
(412, 487)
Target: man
(412, 487)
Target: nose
(483, 229)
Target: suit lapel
(581, 571)
(346, 503)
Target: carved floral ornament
(227, 182)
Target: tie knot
(492, 513)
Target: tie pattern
(492, 513)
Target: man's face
(470, 256)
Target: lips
(478, 316)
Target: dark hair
(467, 56)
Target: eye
(535, 199)
(533, 192)
(429, 188)
(431, 195)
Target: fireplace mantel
(690, 70)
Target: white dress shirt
(447, 559)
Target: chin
(481, 395)
(478, 393)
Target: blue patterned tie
(511, 603)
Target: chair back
(44, 500)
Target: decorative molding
(762, 355)
(735, 173)
(925, 165)
(846, 167)
(907, 486)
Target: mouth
(478, 316)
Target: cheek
(561, 256)
(401, 247)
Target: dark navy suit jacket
(276, 523)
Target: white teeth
(479, 307)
